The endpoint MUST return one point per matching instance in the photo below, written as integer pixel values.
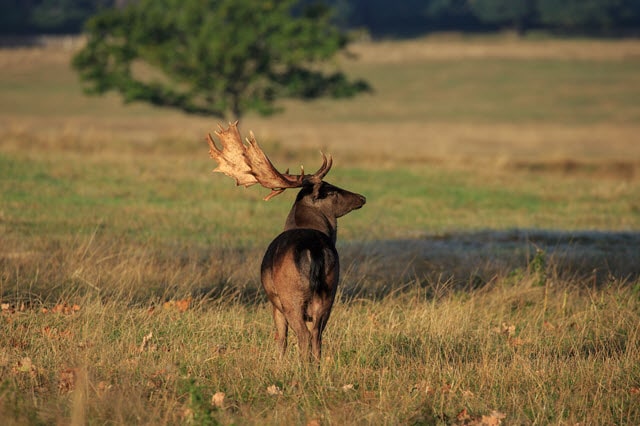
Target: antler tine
(273, 193)
(213, 150)
(323, 170)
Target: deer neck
(306, 217)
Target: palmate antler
(249, 165)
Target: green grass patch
(497, 90)
(65, 197)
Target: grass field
(493, 276)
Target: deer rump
(300, 272)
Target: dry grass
(449, 47)
(492, 276)
(527, 347)
(569, 101)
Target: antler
(248, 164)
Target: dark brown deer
(300, 269)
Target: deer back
(306, 254)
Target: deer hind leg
(282, 329)
(316, 340)
(317, 328)
(299, 326)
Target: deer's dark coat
(300, 269)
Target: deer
(300, 269)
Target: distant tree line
(378, 17)
(412, 17)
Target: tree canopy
(217, 57)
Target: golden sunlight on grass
(452, 47)
(531, 353)
(492, 277)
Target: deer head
(318, 204)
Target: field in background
(492, 275)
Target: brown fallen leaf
(516, 342)
(463, 416)
(67, 380)
(178, 305)
(25, 365)
(493, 419)
(187, 415)
(102, 388)
(467, 393)
(63, 308)
(183, 304)
(507, 330)
(423, 387)
(145, 341)
(274, 390)
(54, 333)
(218, 399)
(6, 308)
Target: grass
(513, 348)
(492, 275)
(557, 91)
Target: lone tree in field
(214, 57)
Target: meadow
(492, 278)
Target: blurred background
(380, 18)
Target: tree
(589, 15)
(451, 14)
(50, 16)
(514, 13)
(217, 57)
(64, 15)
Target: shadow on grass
(470, 260)
(466, 261)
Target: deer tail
(316, 269)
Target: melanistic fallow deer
(300, 269)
